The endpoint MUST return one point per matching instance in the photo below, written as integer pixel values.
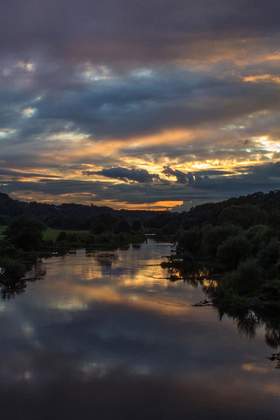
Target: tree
(269, 255)
(248, 278)
(189, 241)
(26, 234)
(214, 236)
(123, 227)
(136, 226)
(233, 250)
(243, 215)
(103, 223)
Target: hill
(64, 216)
(245, 211)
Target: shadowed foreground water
(109, 337)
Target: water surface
(108, 336)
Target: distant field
(52, 234)
(2, 229)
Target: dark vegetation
(67, 216)
(236, 244)
(31, 230)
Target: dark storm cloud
(129, 29)
(133, 105)
(182, 178)
(125, 174)
(269, 170)
(138, 106)
(191, 178)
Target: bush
(137, 226)
(243, 215)
(269, 255)
(233, 250)
(214, 236)
(248, 277)
(190, 241)
(259, 236)
(61, 237)
(103, 223)
(26, 234)
(271, 290)
(122, 227)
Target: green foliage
(104, 223)
(242, 215)
(214, 236)
(26, 234)
(247, 260)
(122, 227)
(271, 290)
(269, 254)
(56, 235)
(137, 226)
(233, 250)
(189, 241)
(259, 236)
(248, 277)
(61, 237)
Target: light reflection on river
(107, 336)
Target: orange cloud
(269, 78)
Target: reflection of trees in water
(247, 324)
(272, 337)
(10, 288)
(248, 321)
(275, 358)
(106, 259)
(194, 275)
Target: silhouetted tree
(26, 234)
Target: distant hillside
(246, 211)
(258, 208)
(64, 216)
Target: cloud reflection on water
(113, 337)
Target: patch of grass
(51, 234)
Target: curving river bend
(108, 336)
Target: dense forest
(64, 216)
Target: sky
(137, 104)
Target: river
(106, 335)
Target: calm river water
(108, 336)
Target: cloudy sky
(139, 104)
